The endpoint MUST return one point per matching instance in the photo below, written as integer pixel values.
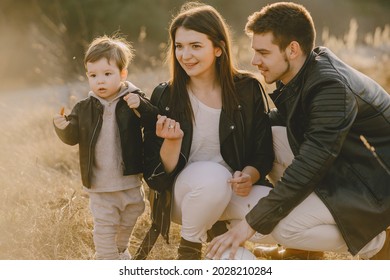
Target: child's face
(105, 78)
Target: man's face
(270, 60)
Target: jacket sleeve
(154, 171)
(70, 134)
(147, 111)
(331, 109)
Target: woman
(212, 141)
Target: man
(334, 194)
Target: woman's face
(195, 53)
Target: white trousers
(202, 196)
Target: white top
(205, 139)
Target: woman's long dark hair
(203, 19)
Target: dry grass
(44, 212)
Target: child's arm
(66, 127)
(60, 120)
(133, 101)
(142, 107)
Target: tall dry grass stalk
(369, 55)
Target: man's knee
(284, 234)
(283, 153)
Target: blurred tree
(52, 35)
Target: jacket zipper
(236, 149)
(243, 133)
(154, 174)
(90, 147)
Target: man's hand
(233, 238)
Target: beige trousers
(310, 226)
(114, 215)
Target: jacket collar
(278, 96)
(126, 88)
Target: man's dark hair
(287, 22)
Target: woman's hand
(168, 128)
(241, 183)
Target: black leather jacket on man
(246, 140)
(326, 108)
(84, 128)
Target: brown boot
(384, 253)
(189, 250)
(278, 253)
(217, 229)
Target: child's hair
(112, 48)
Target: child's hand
(60, 120)
(133, 100)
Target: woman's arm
(162, 157)
(170, 131)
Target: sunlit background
(43, 41)
(44, 212)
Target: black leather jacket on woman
(326, 108)
(245, 140)
(85, 125)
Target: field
(44, 213)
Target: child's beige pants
(114, 215)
